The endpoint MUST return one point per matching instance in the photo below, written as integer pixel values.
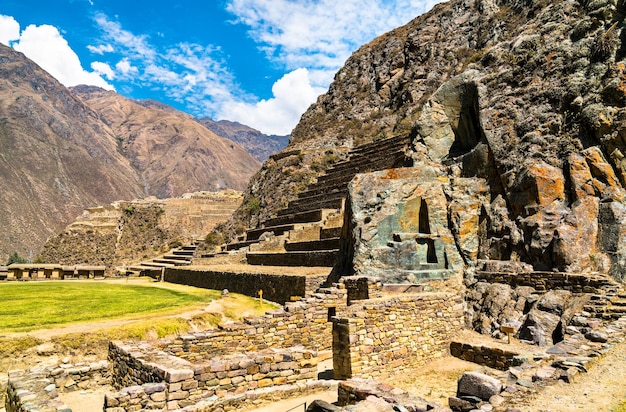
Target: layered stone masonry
(276, 288)
(305, 323)
(379, 337)
(37, 390)
(164, 381)
(544, 281)
(484, 355)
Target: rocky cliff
(517, 110)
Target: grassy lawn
(28, 306)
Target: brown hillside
(56, 157)
(260, 145)
(172, 153)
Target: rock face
(56, 157)
(517, 105)
(400, 227)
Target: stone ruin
(412, 278)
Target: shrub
(16, 258)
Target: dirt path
(601, 389)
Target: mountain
(518, 108)
(56, 157)
(63, 151)
(260, 145)
(172, 153)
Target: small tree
(15, 258)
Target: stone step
(240, 244)
(175, 262)
(378, 144)
(319, 197)
(311, 216)
(183, 252)
(322, 244)
(334, 203)
(140, 268)
(330, 232)
(391, 157)
(312, 202)
(157, 264)
(254, 234)
(317, 189)
(345, 174)
(323, 258)
(605, 309)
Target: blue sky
(258, 62)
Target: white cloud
(101, 49)
(125, 68)
(45, 46)
(103, 69)
(321, 35)
(293, 94)
(9, 30)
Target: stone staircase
(307, 232)
(608, 306)
(180, 256)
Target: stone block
(177, 375)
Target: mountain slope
(56, 157)
(260, 145)
(172, 153)
(59, 155)
(524, 98)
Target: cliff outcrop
(516, 106)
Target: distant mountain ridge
(172, 153)
(62, 151)
(260, 145)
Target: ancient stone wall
(380, 336)
(303, 323)
(38, 389)
(276, 288)
(164, 381)
(483, 355)
(544, 281)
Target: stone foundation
(483, 355)
(159, 380)
(382, 336)
(38, 389)
(305, 323)
(544, 281)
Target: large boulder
(479, 385)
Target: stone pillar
(346, 360)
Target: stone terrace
(307, 231)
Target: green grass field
(26, 306)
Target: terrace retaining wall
(389, 335)
(276, 288)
